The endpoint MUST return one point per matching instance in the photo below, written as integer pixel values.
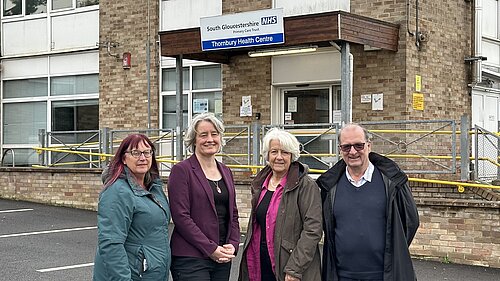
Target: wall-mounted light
(282, 51)
(126, 60)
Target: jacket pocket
(287, 246)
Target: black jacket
(401, 226)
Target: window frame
(190, 92)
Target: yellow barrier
(254, 169)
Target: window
(35, 87)
(15, 7)
(75, 115)
(61, 4)
(21, 122)
(202, 93)
(74, 85)
(36, 7)
(490, 18)
(12, 7)
(491, 35)
(85, 3)
(169, 78)
(170, 114)
(206, 77)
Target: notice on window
(337, 116)
(292, 104)
(418, 101)
(200, 105)
(218, 106)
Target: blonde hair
(190, 137)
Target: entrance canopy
(314, 29)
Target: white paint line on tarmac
(47, 231)
(65, 267)
(15, 210)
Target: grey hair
(288, 141)
(190, 137)
(368, 135)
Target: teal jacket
(132, 225)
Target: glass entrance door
(306, 106)
(317, 107)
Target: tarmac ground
(41, 242)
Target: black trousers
(198, 269)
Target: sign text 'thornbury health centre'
(256, 28)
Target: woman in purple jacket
(203, 206)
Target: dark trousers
(198, 269)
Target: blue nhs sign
(239, 30)
(269, 20)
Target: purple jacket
(196, 231)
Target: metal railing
(486, 155)
(419, 147)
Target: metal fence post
(256, 127)
(41, 143)
(104, 145)
(464, 147)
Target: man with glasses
(369, 215)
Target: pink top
(253, 252)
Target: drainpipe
(478, 45)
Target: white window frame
(169, 64)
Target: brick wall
(459, 231)
(455, 227)
(123, 93)
(439, 62)
(77, 188)
(246, 76)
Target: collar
(367, 176)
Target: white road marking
(65, 267)
(47, 231)
(15, 210)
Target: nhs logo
(269, 20)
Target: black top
(266, 267)
(260, 214)
(221, 198)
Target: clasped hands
(223, 254)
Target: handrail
(254, 169)
(13, 156)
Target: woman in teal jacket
(132, 217)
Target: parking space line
(47, 231)
(15, 210)
(65, 267)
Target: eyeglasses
(137, 153)
(347, 147)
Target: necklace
(216, 183)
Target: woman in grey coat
(285, 223)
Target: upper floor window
(12, 7)
(15, 7)
(32, 7)
(61, 4)
(85, 3)
(24, 88)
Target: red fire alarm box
(126, 62)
